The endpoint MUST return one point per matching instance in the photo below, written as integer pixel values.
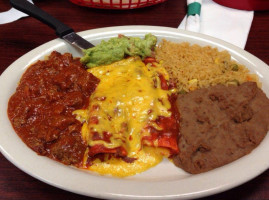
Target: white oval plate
(164, 181)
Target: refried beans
(220, 124)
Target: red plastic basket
(117, 4)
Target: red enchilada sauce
(165, 137)
(41, 109)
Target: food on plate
(131, 108)
(192, 66)
(41, 108)
(203, 146)
(118, 48)
(120, 111)
(220, 124)
(117, 119)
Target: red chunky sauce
(41, 109)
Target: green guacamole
(116, 49)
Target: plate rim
(119, 195)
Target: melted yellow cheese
(147, 158)
(128, 98)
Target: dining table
(21, 36)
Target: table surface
(19, 37)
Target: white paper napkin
(11, 15)
(225, 23)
